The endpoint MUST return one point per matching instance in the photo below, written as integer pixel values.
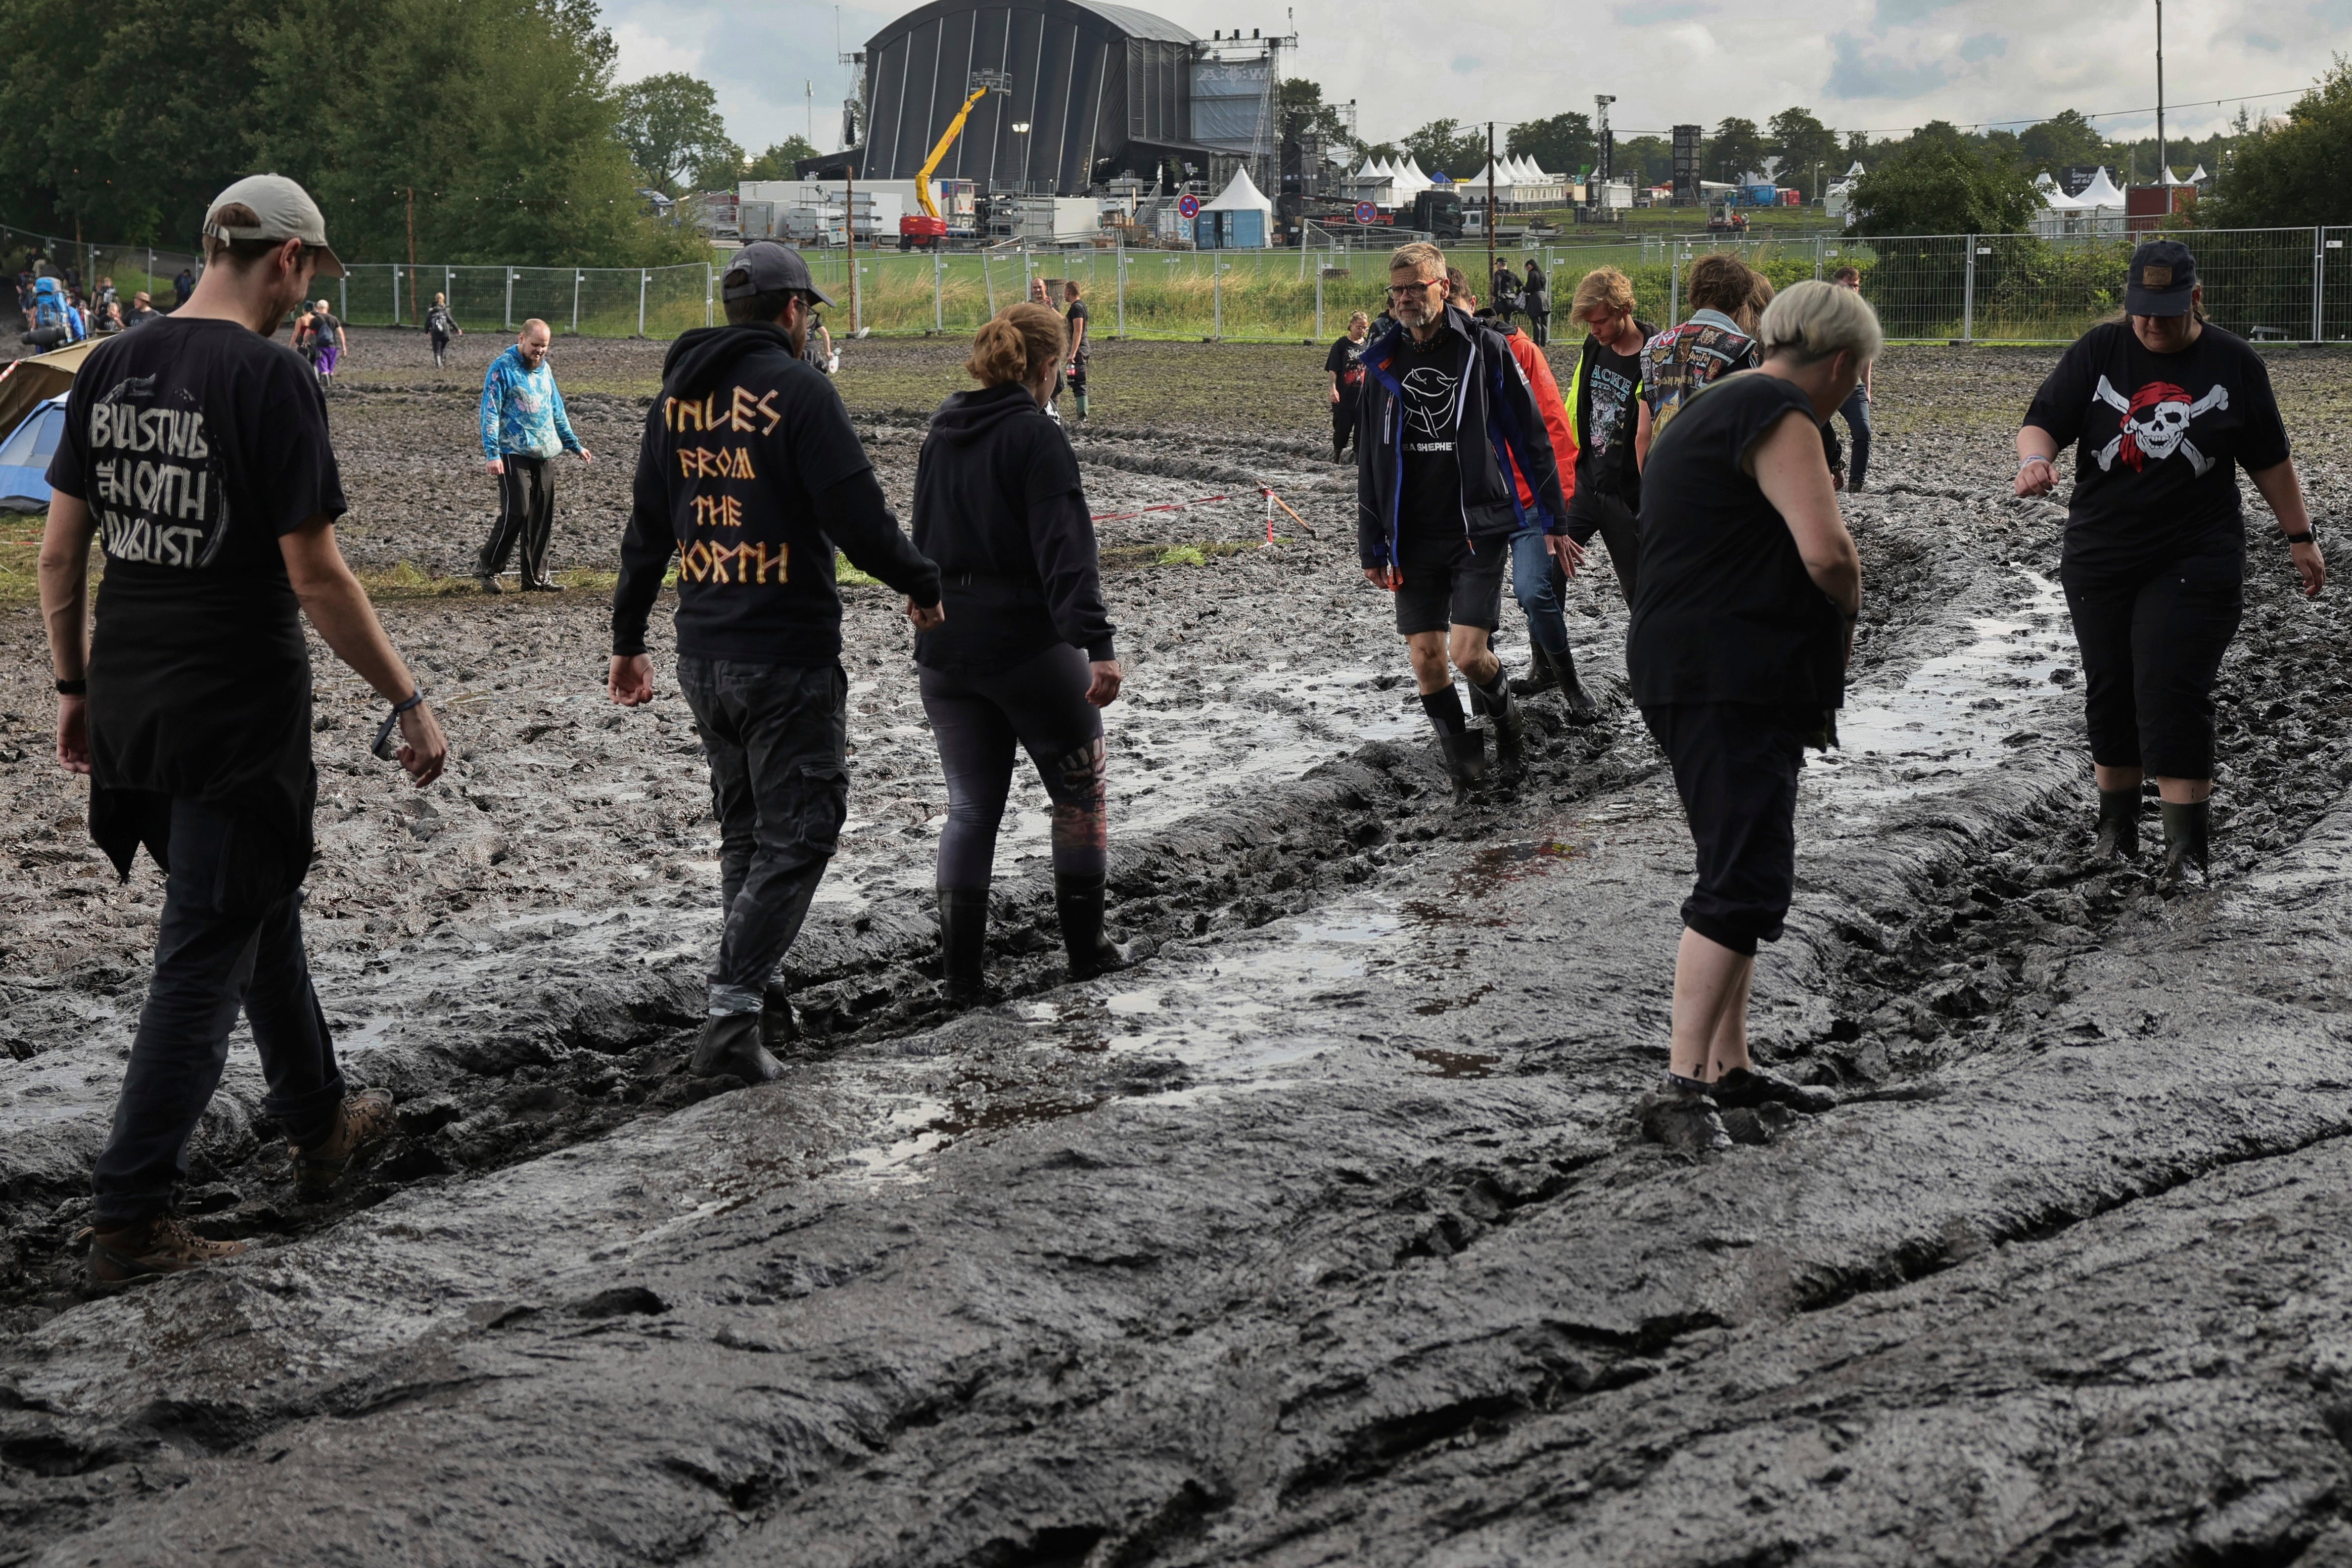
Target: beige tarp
(30, 381)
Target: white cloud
(643, 52)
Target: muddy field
(1328, 1236)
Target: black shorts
(1448, 584)
(1736, 766)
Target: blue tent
(25, 457)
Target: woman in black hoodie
(1025, 651)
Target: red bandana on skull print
(2143, 401)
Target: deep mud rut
(1329, 1236)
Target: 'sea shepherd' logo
(2155, 425)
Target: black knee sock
(1443, 707)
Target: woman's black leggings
(2152, 644)
(1042, 703)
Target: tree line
(1937, 179)
(497, 123)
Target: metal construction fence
(2283, 285)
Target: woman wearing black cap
(2162, 409)
(1024, 654)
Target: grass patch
(405, 580)
(20, 556)
(1127, 556)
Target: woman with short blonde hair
(1345, 365)
(1024, 654)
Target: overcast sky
(1874, 65)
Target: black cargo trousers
(229, 939)
(777, 737)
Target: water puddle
(1954, 715)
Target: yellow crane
(930, 226)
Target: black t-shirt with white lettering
(1345, 360)
(1430, 499)
(197, 445)
(2158, 440)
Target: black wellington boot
(729, 1047)
(1542, 675)
(1581, 708)
(1509, 722)
(2118, 824)
(963, 940)
(1080, 901)
(2185, 830)
(779, 1030)
(1465, 757)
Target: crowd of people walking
(1698, 456)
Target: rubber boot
(1080, 399)
(1509, 722)
(1466, 758)
(1581, 708)
(2185, 830)
(1080, 901)
(963, 940)
(779, 1030)
(2118, 824)
(1542, 675)
(729, 1047)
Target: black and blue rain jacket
(1497, 424)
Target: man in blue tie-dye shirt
(523, 427)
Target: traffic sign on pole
(1366, 213)
(1188, 206)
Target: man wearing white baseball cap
(196, 451)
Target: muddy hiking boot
(1080, 901)
(489, 584)
(729, 1047)
(2185, 831)
(1684, 1116)
(2118, 824)
(963, 943)
(361, 1121)
(1745, 1088)
(150, 1248)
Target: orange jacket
(1555, 416)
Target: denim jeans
(229, 939)
(1535, 583)
(1856, 409)
(777, 737)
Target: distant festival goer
(1750, 587)
(1601, 399)
(1079, 352)
(1345, 367)
(1856, 408)
(524, 426)
(1026, 652)
(749, 476)
(326, 343)
(2162, 409)
(1445, 406)
(1535, 296)
(440, 326)
(192, 714)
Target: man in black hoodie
(749, 474)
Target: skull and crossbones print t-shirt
(2158, 440)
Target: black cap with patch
(2162, 278)
(764, 266)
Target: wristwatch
(2307, 536)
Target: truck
(1438, 214)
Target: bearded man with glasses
(1446, 416)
